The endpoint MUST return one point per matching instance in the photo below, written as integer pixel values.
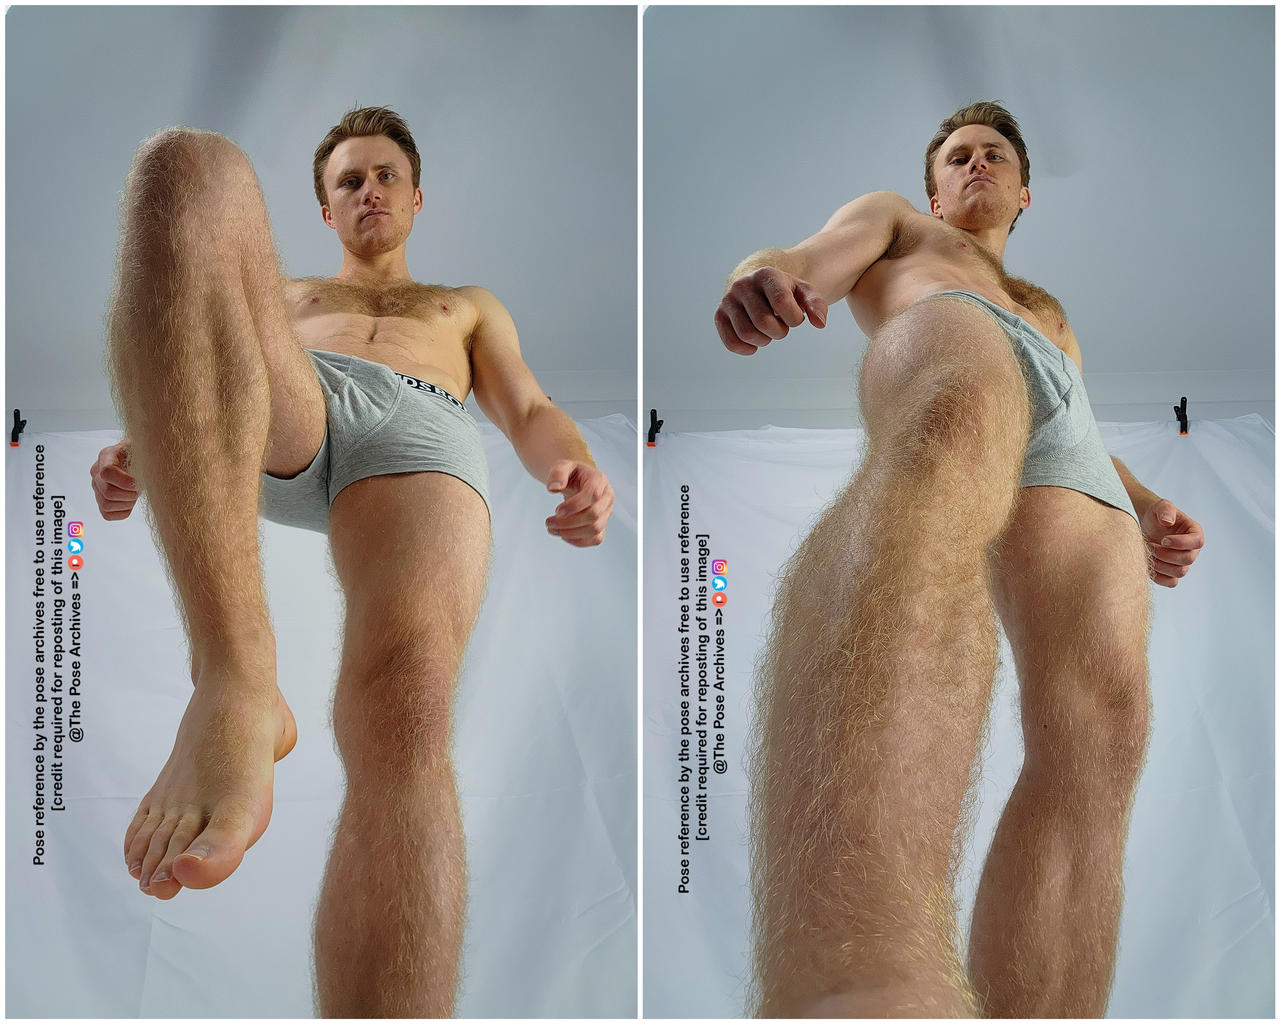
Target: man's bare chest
(421, 330)
(925, 249)
(430, 314)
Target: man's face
(372, 200)
(970, 155)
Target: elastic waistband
(1005, 316)
(425, 385)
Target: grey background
(524, 117)
(1151, 137)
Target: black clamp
(655, 425)
(19, 424)
(1184, 424)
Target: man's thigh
(411, 551)
(194, 205)
(298, 407)
(1069, 580)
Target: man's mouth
(978, 179)
(374, 213)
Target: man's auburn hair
(985, 113)
(359, 123)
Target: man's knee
(960, 431)
(394, 713)
(932, 404)
(969, 412)
(1096, 727)
(180, 170)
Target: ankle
(244, 667)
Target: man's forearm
(1142, 497)
(547, 437)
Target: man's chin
(370, 247)
(979, 217)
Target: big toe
(212, 855)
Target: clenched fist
(116, 491)
(763, 306)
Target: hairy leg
(411, 551)
(874, 687)
(197, 290)
(1071, 587)
(190, 382)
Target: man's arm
(1173, 538)
(833, 260)
(772, 290)
(1143, 498)
(546, 440)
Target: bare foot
(212, 800)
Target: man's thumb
(814, 304)
(559, 477)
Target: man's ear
(326, 216)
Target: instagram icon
(75, 529)
(719, 567)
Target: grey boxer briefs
(1066, 449)
(377, 421)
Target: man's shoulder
(880, 208)
(475, 292)
(887, 197)
(886, 201)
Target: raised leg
(197, 303)
(411, 551)
(1070, 584)
(874, 689)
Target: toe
(217, 851)
(164, 890)
(139, 819)
(158, 846)
(138, 839)
(163, 885)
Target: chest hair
(1023, 292)
(412, 300)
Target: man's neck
(993, 239)
(384, 269)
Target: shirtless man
(984, 482)
(339, 400)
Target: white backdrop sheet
(1197, 933)
(545, 750)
